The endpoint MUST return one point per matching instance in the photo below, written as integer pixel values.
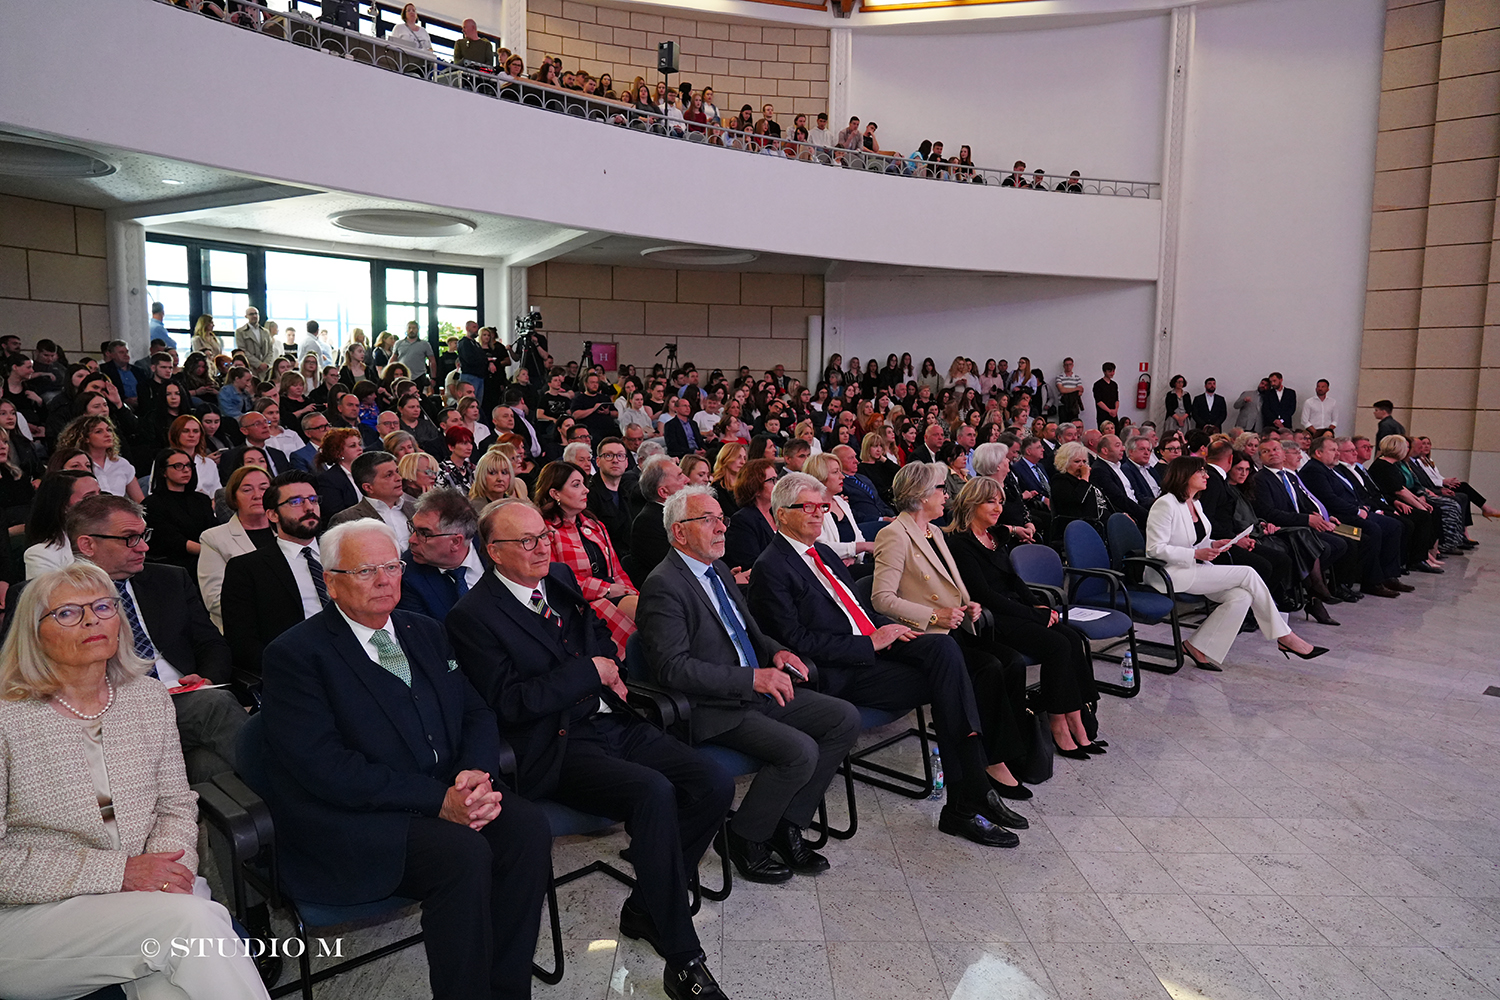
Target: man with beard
(269, 590)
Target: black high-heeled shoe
(1313, 654)
(1077, 753)
(1093, 748)
(1017, 792)
(1317, 612)
(1201, 664)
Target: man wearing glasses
(747, 690)
(380, 759)
(442, 563)
(269, 590)
(802, 595)
(607, 495)
(545, 662)
(314, 428)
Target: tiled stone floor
(1280, 831)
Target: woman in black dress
(1074, 498)
(176, 513)
(1020, 623)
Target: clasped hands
(471, 801)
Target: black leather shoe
(754, 861)
(1094, 748)
(1399, 587)
(1346, 593)
(1000, 814)
(1378, 590)
(638, 926)
(787, 845)
(1017, 792)
(269, 966)
(976, 828)
(1077, 753)
(692, 981)
(1424, 568)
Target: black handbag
(1036, 732)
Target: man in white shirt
(1139, 457)
(1318, 412)
(379, 480)
(820, 135)
(1114, 483)
(312, 342)
(708, 417)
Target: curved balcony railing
(300, 28)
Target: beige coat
(220, 543)
(53, 843)
(910, 581)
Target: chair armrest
(1053, 595)
(220, 811)
(505, 766)
(671, 707)
(1114, 578)
(230, 784)
(1157, 566)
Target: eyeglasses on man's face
(714, 520)
(70, 615)
(131, 540)
(368, 572)
(428, 536)
(527, 542)
(297, 503)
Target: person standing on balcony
(409, 34)
(472, 51)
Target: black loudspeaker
(666, 57)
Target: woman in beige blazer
(220, 544)
(98, 828)
(918, 583)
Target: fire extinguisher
(1143, 391)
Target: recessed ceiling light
(698, 255)
(21, 156)
(170, 180)
(401, 222)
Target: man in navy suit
(681, 435)
(314, 426)
(803, 597)
(257, 431)
(870, 512)
(442, 562)
(1278, 405)
(380, 763)
(1380, 541)
(545, 662)
(1211, 409)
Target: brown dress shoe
(1399, 587)
(1378, 590)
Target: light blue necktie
(391, 656)
(737, 633)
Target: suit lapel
(529, 621)
(376, 679)
(800, 567)
(286, 582)
(675, 558)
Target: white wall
(1082, 98)
(1045, 319)
(1278, 179)
(330, 123)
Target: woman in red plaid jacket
(580, 541)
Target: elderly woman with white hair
(98, 828)
(993, 460)
(917, 582)
(840, 532)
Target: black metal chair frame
(1170, 656)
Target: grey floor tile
(1219, 971)
(1162, 918)
(884, 969)
(1416, 974)
(772, 913)
(1123, 871)
(783, 970)
(1300, 973)
(985, 971)
(1445, 922)
(967, 916)
(884, 915)
(1097, 971)
(1270, 920)
(1212, 873)
(1174, 835)
(1300, 873)
(1065, 916)
(1359, 921)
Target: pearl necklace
(89, 718)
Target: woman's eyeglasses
(69, 615)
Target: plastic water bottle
(937, 773)
(1127, 670)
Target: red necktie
(861, 620)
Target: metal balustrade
(301, 27)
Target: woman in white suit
(1177, 533)
(245, 531)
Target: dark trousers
(672, 800)
(208, 724)
(1383, 540)
(1272, 566)
(929, 669)
(1067, 675)
(801, 745)
(998, 675)
(1344, 558)
(481, 895)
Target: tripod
(670, 350)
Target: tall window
(167, 283)
(335, 291)
(440, 302)
(226, 290)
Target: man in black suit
(802, 596)
(932, 439)
(1109, 476)
(680, 434)
(519, 419)
(257, 431)
(701, 639)
(1380, 535)
(1211, 408)
(343, 411)
(1278, 405)
(545, 663)
(383, 496)
(870, 511)
(1032, 471)
(380, 759)
(269, 590)
(1273, 567)
(660, 477)
(1282, 499)
(442, 563)
(169, 627)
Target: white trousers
(1235, 589)
(53, 951)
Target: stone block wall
(745, 63)
(53, 278)
(717, 319)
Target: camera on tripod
(529, 323)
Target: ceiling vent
(24, 157)
(698, 256)
(401, 222)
